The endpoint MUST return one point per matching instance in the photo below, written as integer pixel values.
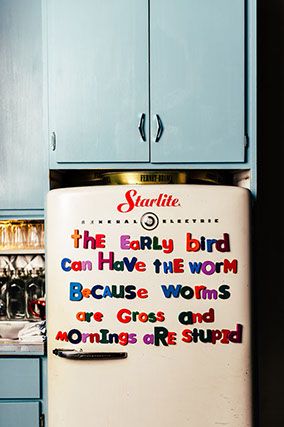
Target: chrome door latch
(53, 141)
(41, 421)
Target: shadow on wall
(268, 295)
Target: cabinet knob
(141, 126)
(160, 128)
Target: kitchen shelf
(22, 252)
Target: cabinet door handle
(160, 128)
(85, 355)
(141, 126)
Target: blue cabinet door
(98, 80)
(20, 378)
(197, 80)
(23, 148)
(19, 414)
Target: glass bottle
(4, 278)
(41, 274)
(34, 292)
(16, 306)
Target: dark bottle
(34, 294)
(4, 278)
(15, 297)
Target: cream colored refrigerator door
(162, 274)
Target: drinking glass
(40, 232)
(5, 235)
(33, 240)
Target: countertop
(18, 348)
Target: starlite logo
(135, 200)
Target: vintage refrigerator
(148, 306)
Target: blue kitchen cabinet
(23, 152)
(22, 390)
(20, 414)
(197, 80)
(20, 378)
(138, 83)
(98, 80)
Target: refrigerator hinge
(53, 141)
(41, 421)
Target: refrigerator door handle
(84, 355)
